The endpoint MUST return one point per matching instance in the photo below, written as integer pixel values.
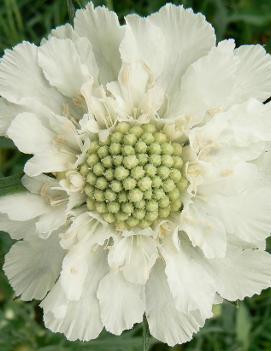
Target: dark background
(245, 326)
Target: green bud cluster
(134, 178)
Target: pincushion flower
(147, 190)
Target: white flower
(149, 187)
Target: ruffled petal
(220, 177)
(101, 27)
(204, 230)
(134, 256)
(62, 59)
(53, 144)
(101, 114)
(17, 229)
(122, 303)
(200, 89)
(21, 79)
(133, 91)
(65, 31)
(38, 137)
(242, 273)
(166, 322)
(74, 271)
(246, 215)
(77, 319)
(189, 279)
(253, 75)
(88, 229)
(32, 266)
(239, 133)
(49, 189)
(51, 221)
(37, 185)
(82, 238)
(167, 42)
(144, 41)
(49, 161)
(46, 203)
(23, 206)
(8, 113)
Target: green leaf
(114, 344)
(53, 348)
(256, 20)
(10, 185)
(6, 143)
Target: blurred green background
(245, 326)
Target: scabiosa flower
(146, 192)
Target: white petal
(224, 176)
(166, 323)
(36, 184)
(242, 273)
(83, 236)
(52, 220)
(101, 115)
(206, 84)
(65, 31)
(49, 189)
(204, 230)
(238, 196)
(9, 111)
(32, 266)
(250, 122)
(167, 42)
(144, 41)
(23, 206)
(47, 162)
(246, 215)
(61, 62)
(190, 282)
(75, 200)
(130, 91)
(54, 146)
(264, 161)
(21, 78)
(134, 256)
(55, 304)
(253, 75)
(77, 319)
(241, 244)
(85, 51)
(66, 132)
(35, 138)
(74, 272)
(7, 114)
(17, 229)
(152, 101)
(188, 36)
(87, 228)
(101, 27)
(73, 182)
(239, 133)
(122, 303)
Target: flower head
(148, 191)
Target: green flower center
(134, 178)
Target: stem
(145, 335)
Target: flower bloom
(147, 191)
